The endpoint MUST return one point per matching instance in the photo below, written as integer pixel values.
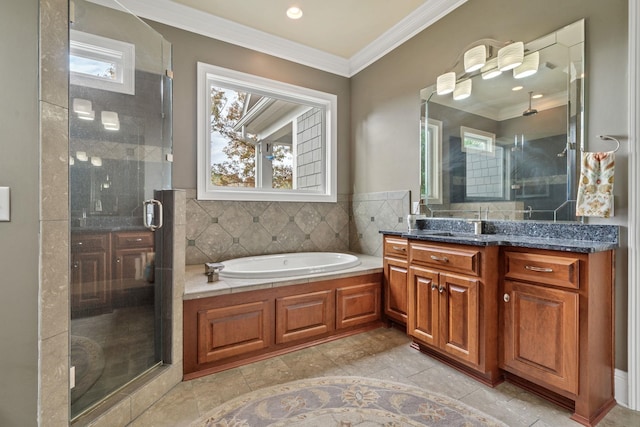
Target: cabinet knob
(441, 289)
(506, 297)
(75, 265)
(433, 286)
(118, 260)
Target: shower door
(119, 155)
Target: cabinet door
(423, 317)
(357, 304)
(90, 287)
(541, 334)
(231, 331)
(459, 316)
(133, 265)
(395, 289)
(303, 316)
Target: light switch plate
(5, 204)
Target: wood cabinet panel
(90, 274)
(230, 331)
(451, 258)
(357, 304)
(396, 247)
(424, 312)
(459, 327)
(541, 334)
(133, 268)
(304, 316)
(547, 269)
(395, 289)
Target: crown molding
(189, 19)
(424, 16)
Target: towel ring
(608, 138)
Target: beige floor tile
(383, 353)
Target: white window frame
(208, 75)
(99, 48)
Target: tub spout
(212, 269)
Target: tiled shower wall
(221, 230)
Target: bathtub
(286, 265)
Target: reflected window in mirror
(509, 149)
(264, 140)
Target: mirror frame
(224, 77)
(431, 192)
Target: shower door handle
(149, 215)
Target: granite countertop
(568, 237)
(196, 285)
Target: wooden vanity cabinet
(557, 322)
(396, 274)
(133, 264)
(452, 310)
(90, 274)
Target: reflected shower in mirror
(508, 150)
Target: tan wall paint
(189, 48)
(385, 96)
(19, 165)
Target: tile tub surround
(570, 237)
(196, 285)
(371, 212)
(220, 230)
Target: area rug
(344, 402)
(88, 359)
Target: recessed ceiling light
(294, 12)
(537, 95)
(516, 88)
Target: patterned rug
(344, 402)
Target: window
(260, 139)
(101, 63)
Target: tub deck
(196, 285)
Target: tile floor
(382, 353)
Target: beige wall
(190, 48)
(19, 238)
(385, 102)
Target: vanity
(530, 308)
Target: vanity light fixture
(82, 156)
(294, 12)
(110, 120)
(446, 83)
(96, 161)
(510, 56)
(475, 58)
(528, 67)
(462, 90)
(83, 109)
(490, 69)
(72, 161)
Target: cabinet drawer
(135, 239)
(395, 247)
(90, 242)
(547, 269)
(453, 259)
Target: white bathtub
(286, 265)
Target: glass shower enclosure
(119, 155)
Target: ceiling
(339, 36)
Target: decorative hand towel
(595, 189)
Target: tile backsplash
(221, 230)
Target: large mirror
(508, 151)
(259, 139)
